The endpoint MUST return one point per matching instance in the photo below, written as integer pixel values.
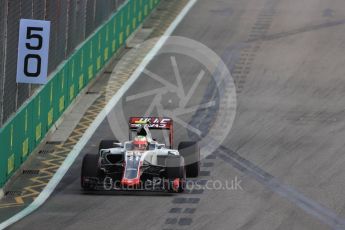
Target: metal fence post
(3, 18)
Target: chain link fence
(71, 22)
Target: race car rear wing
(152, 122)
(163, 123)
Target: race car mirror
(33, 48)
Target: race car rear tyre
(191, 154)
(175, 173)
(89, 172)
(108, 144)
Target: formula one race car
(141, 163)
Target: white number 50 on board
(33, 49)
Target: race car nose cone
(130, 182)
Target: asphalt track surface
(285, 146)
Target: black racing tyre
(173, 167)
(108, 144)
(175, 170)
(89, 172)
(191, 154)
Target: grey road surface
(284, 156)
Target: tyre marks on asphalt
(240, 72)
(310, 206)
(184, 206)
(242, 68)
(304, 29)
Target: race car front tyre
(191, 154)
(108, 144)
(175, 173)
(89, 172)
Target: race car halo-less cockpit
(142, 163)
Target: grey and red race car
(141, 163)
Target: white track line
(48, 190)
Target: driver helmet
(140, 143)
